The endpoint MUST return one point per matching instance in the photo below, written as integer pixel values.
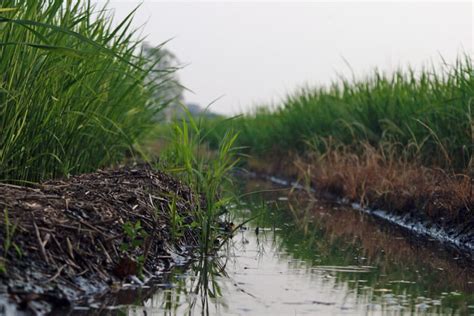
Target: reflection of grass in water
(328, 240)
(196, 289)
(185, 290)
(325, 241)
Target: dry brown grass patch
(378, 181)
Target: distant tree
(169, 94)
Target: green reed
(208, 172)
(73, 94)
(425, 115)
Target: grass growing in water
(206, 172)
(73, 94)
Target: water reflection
(195, 290)
(315, 258)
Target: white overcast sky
(253, 53)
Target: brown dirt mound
(72, 237)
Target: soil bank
(427, 202)
(66, 240)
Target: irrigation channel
(308, 258)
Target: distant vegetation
(73, 89)
(168, 94)
(425, 116)
(402, 142)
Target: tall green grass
(73, 94)
(207, 172)
(425, 115)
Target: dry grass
(380, 181)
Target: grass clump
(208, 172)
(73, 94)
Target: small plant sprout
(10, 230)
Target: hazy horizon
(254, 53)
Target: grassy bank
(426, 115)
(73, 94)
(403, 142)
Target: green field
(424, 115)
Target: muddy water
(313, 258)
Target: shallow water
(314, 258)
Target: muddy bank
(66, 240)
(453, 233)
